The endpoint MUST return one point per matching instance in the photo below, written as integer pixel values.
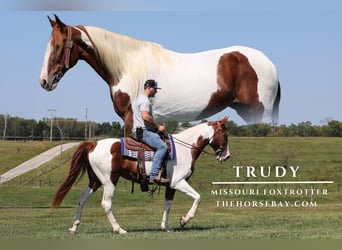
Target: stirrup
(160, 179)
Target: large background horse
(194, 86)
(105, 164)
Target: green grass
(25, 212)
(143, 223)
(12, 153)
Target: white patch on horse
(85, 38)
(44, 70)
(102, 158)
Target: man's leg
(153, 140)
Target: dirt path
(35, 161)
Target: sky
(303, 39)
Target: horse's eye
(57, 47)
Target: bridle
(65, 62)
(220, 149)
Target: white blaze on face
(44, 71)
(227, 155)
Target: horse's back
(186, 64)
(198, 71)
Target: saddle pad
(149, 155)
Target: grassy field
(12, 153)
(25, 212)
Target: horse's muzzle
(222, 156)
(49, 85)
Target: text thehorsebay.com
(279, 188)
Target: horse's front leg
(107, 206)
(169, 194)
(184, 187)
(80, 204)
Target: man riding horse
(143, 120)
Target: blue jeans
(153, 140)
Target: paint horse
(105, 165)
(194, 86)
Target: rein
(65, 63)
(191, 146)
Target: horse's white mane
(194, 132)
(120, 53)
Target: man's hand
(161, 128)
(148, 119)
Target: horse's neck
(122, 55)
(191, 135)
(190, 139)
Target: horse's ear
(59, 23)
(52, 22)
(224, 120)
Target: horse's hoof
(169, 230)
(73, 229)
(182, 222)
(72, 232)
(120, 231)
(166, 228)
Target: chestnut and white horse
(105, 165)
(194, 85)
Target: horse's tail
(79, 165)
(275, 111)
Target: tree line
(70, 128)
(62, 128)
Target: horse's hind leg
(80, 203)
(106, 203)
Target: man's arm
(148, 119)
